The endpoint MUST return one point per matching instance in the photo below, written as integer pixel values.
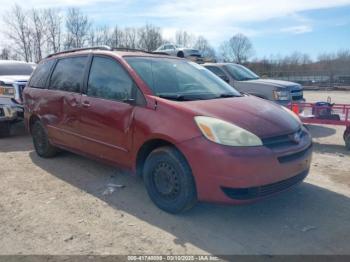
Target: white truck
(13, 78)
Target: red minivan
(190, 135)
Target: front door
(106, 113)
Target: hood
(272, 82)
(11, 79)
(261, 117)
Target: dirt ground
(61, 206)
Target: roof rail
(103, 47)
(107, 48)
(138, 50)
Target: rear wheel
(181, 54)
(5, 129)
(169, 181)
(347, 140)
(41, 141)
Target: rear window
(68, 74)
(41, 74)
(16, 69)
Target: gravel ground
(61, 206)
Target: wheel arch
(146, 148)
(32, 120)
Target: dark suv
(189, 134)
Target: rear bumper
(222, 172)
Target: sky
(275, 27)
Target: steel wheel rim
(166, 181)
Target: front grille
(265, 190)
(294, 156)
(296, 98)
(282, 140)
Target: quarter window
(41, 74)
(108, 80)
(68, 74)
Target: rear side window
(68, 74)
(41, 74)
(109, 80)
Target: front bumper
(221, 171)
(11, 112)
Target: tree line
(34, 33)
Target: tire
(41, 141)
(181, 54)
(5, 129)
(347, 140)
(169, 181)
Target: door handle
(86, 104)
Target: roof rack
(103, 47)
(138, 50)
(107, 48)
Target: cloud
(300, 29)
(216, 20)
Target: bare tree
(5, 54)
(54, 29)
(77, 28)
(131, 37)
(117, 37)
(204, 47)
(150, 37)
(19, 32)
(99, 36)
(184, 38)
(237, 49)
(38, 30)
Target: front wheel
(169, 181)
(41, 141)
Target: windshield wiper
(226, 95)
(176, 97)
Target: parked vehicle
(189, 135)
(246, 81)
(13, 78)
(179, 51)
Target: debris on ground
(308, 228)
(111, 188)
(69, 238)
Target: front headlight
(7, 91)
(281, 95)
(225, 133)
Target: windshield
(7, 69)
(241, 73)
(180, 79)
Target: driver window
(108, 80)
